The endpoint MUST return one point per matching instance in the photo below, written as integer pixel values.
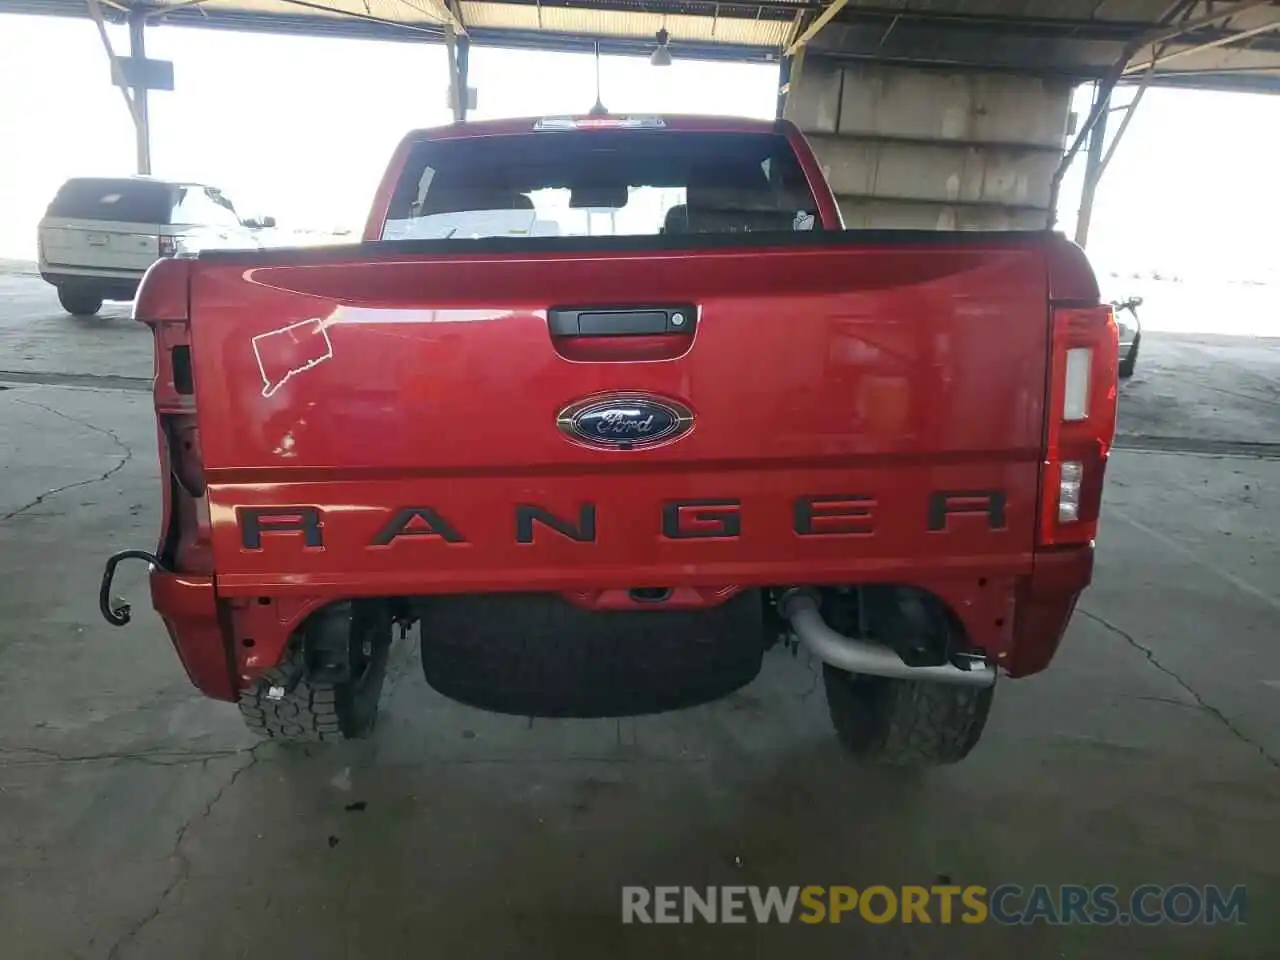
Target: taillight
(168, 246)
(1081, 423)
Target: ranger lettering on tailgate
(813, 516)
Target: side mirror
(259, 223)
(270, 222)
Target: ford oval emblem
(624, 421)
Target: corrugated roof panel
(405, 9)
(402, 11)
(752, 33)
(632, 24)
(397, 11)
(496, 16)
(268, 7)
(1036, 9)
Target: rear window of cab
(592, 183)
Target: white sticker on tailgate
(284, 353)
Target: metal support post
(141, 117)
(464, 68)
(1158, 40)
(784, 86)
(1093, 166)
(457, 97)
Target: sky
(301, 128)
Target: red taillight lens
(1081, 423)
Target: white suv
(100, 234)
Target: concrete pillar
(918, 149)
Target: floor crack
(159, 758)
(128, 455)
(184, 863)
(1200, 701)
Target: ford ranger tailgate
(417, 417)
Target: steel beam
(834, 7)
(155, 13)
(1190, 26)
(1098, 161)
(1107, 85)
(1200, 47)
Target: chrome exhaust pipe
(800, 608)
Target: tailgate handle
(621, 321)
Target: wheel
(1130, 360)
(79, 302)
(307, 710)
(908, 723)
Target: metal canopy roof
(1224, 46)
(1228, 45)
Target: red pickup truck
(608, 406)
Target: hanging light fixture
(661, 56)
(599, 110)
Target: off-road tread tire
(905, 723)
(536, 655)
(79, 302)
(311, 712)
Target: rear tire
(905, 723)
(79, 302)
(310, 711)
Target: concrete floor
(138, 820)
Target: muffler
(800, 608)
